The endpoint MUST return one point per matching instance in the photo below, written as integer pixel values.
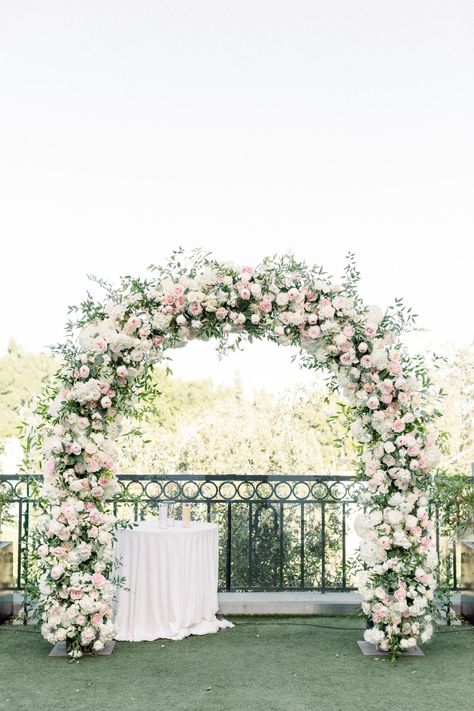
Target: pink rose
(98, 580)
(265, 306)
(221, 313)
(245, 294)
(195, 308)
(373, 402)
(426, 542)
(121, 371)
(93, 466)
(96, 618)
(84, 371)
(366, 361)
(313, 332)
(106, 402)
(57, 571)
(398, 426)
(76, 593)
(88, 635)
(95, 517)
(400, 594)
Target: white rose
(374, 315)
(373, 636)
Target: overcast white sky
(128, 128)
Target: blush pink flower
(373, 402)
(96, 619)
(57, 571)
(195, 309)
(398, 426)
(98, 580)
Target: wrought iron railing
(276, 532)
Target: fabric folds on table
(171, 580)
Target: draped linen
(170, 582)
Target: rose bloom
(400, 594)
(76, 593)
(366, 361)
(121, 371)
(96, 618)
(373, 402)
(255, 319)
(88, 635)
(84, 371)
(57, 571)
(362, 347)
(313, 332)
(398, 426)
(265, 306)
(195, 309)
(181, 320)
(95, 517)
(98, 580)
(245, 294)
(106, 402)
(221, 313)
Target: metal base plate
(370, 650)
(59, 650)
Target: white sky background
(248, 128)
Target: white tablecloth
(172, 579)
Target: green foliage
(22, 375)
(453, 495)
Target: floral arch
(106, 371)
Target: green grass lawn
(262, 664)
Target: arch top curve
(112, 344)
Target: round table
(171, 576)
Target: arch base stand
(370, 650)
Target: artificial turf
(284, 664)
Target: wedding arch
(107, 359)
